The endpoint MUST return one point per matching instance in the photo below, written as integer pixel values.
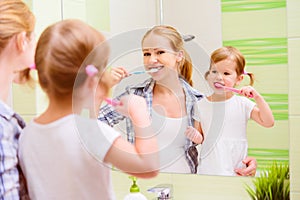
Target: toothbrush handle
(233, 90)
(237, 91)
(112, 102)
(138, 72)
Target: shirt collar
(147, 86)
(191, 93)
(5, 111)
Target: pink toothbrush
(219, 85)
(112, 102)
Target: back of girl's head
(15, 17)
(176, 41)
(229, 52)
(61, 50)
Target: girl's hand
(135, 108)
(249, 91)
(194, 135)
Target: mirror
(257, 29)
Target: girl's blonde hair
(61, 51)
(15, 17)
(235, 55)
(185, 67)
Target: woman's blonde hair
(176, 41)
(15, 17)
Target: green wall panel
(258, 28)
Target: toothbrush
(148, 71)
(112, 102)
(219, 85)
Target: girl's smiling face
(224, 73)
(158, 53)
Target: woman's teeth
(155, 69)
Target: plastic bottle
(134, 192)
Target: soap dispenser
(134, 191)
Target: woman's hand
(114, 75)
(194, 135)
(250, 169)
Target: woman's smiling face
(158, 53)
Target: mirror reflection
(257, 30)
(259, 33)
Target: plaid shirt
(12, 182)
(108, 115)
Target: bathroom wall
(259, 31)
(112, 17)
(293, 35)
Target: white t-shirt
(63, 159)
(224, 125)
(171, 141)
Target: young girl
(223, 115)
(63, 153)
(17, 46)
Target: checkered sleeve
(10, 129)
(23, 192)
(109, 115)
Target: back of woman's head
(15, 17)
(176, 41)
(61, 50)
(229, 52)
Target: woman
(170, 99)
(17, 46)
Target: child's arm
(195, 133)
(261, 113)
(140, 159)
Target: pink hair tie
(245, 72)
(91, 70)
(32, 66)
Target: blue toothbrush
(142, 72)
